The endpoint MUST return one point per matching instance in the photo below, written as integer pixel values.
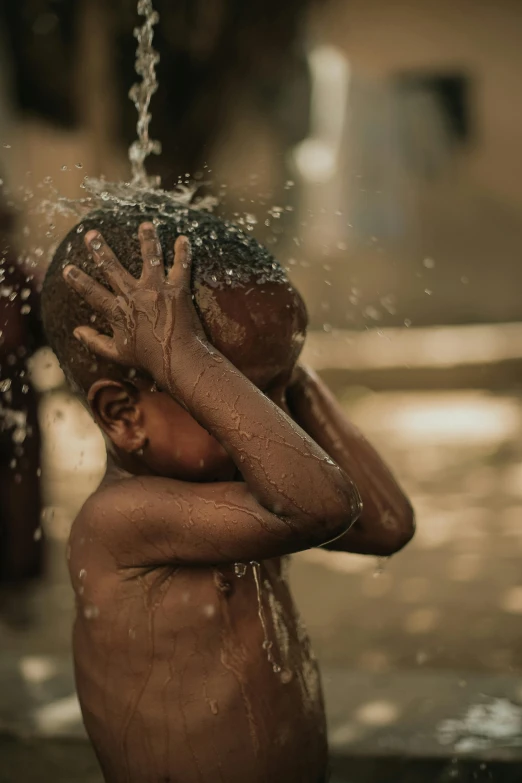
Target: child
(191, 663)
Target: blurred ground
(453, 598)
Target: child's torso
(195, 674)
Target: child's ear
(117, 410)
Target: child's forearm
(386, 523)
(285, 469)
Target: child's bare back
(224, 458)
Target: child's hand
(151, 318)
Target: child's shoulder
(126, 498)
(104, 514)
(106, 502)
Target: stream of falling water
(141, 94)
(143, 191)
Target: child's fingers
(97, 343)
(180, 272)
(152, 254)
(96, 295)
(117, 277)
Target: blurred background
(375, 147)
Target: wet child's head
(248, 308)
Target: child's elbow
(341, 518)
(400, 534)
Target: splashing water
(115, 195)
(141, 94)
(15, 420)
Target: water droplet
(7, 146)
(428, 291)
(240, 570)
(91, 612)
(80, 229)
(82, 574)
(372, 312)
(429, 263)
(380, 566)
(37, 534)
(79, 165)
(96, 244)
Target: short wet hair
(223, 255)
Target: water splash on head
(141, 94)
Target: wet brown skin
(182, 673)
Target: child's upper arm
(155, 521)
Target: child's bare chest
(221, 644)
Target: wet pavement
(37, 761)
(453, 598)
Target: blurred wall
(456, 214)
